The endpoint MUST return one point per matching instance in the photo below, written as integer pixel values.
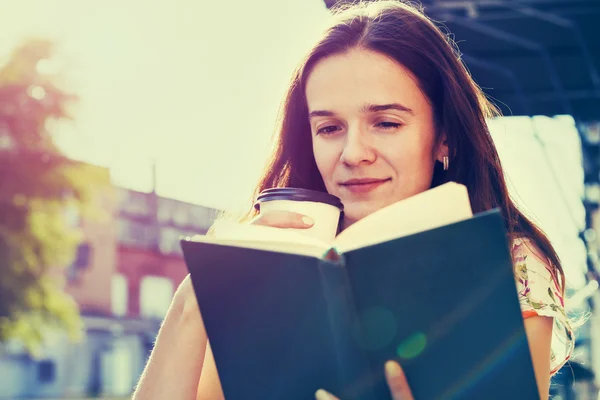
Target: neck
(346, 222)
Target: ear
(441, 150)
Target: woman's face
(373, 131)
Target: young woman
(381, 109)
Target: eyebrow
(367, 108)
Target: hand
(396, 381)
(283, 219)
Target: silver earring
(446, 163)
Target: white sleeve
(540, 294)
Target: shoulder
(537, 279)
(523, 248)
(532, 265)
(540, 294)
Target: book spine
(352, 363)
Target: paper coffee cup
(324, 209)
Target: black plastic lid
(297, 194)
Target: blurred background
(124, 125)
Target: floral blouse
(539, 294)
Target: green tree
(38, 186)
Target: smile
(363, 185)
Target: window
(134, 233)
(135, 203)
(46, 371)
(82, 260)
(119, 295)
(165, 209)
(180, 214)
(156, 293)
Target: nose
(358, 148)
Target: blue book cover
(442, 302)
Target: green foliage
(38, 187)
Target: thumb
(397, 381)
(324, 395)
(283, 219)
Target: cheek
(326, 160)
(410, 157)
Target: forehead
(349, 80)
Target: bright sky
(197, 85)
(194, 84)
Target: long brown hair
(402, 32)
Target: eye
(389, 125)
(328, 130)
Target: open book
(445, 204)
(422, 281)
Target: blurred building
(130, 264)
(123, 277)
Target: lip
(363, 185)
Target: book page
(262, 237)
(279, 247)
(443, 205)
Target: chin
(356, 212)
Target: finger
(283, 219)
(397, 381)
(324, 395)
